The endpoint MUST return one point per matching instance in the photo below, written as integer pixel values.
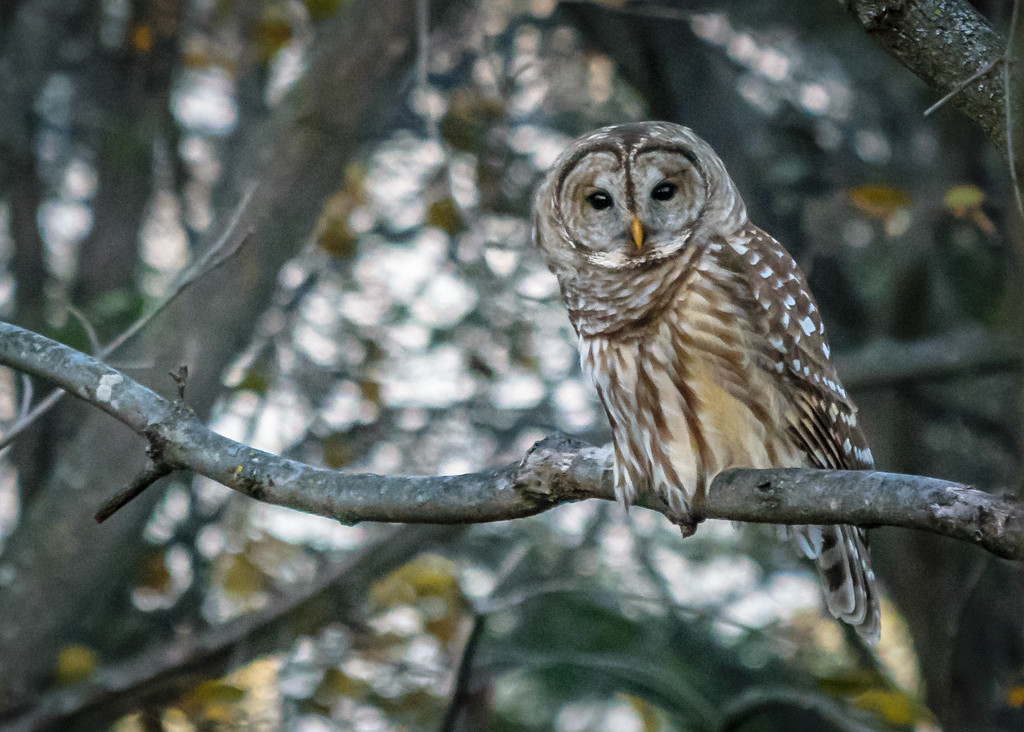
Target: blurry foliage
(893, 706)
(333, 232)
(879, 201)
(272, 31)
(428, 583)
(470, 117)
(320, 9)
(75, 664)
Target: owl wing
(821, 418)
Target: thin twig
(222, 250)
(964, 84)
(936, 41)
(90, 332)
(141, 482)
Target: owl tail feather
(843, 561)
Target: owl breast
(679, 398)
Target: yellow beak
(638, 232)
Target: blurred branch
(968, 352)
(1014, 80)
(163, 673)
(556, 470)
(944, 42)
(461, 691)
(749, 705)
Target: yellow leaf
(647, 712)
(320, 9)
(430, 575)
(153, 573)
(391, 591)
(337, 451)
(74, 665)
(142, 38)
(256, 379)
(333, 233)
(849, 684)
(1015, 697)
(337, 684)
(879, 201)
(422, 583)
(217, 692)
(893, 706)
(273, 30)
(444, 214)
(212, 701)
(963, 198)
(242, 578)
(337, 240)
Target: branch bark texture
(557, 470)
(944, 42)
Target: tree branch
(749, 705)
(557, 470)
(970, 352)
(226, 246)
(161, 674)
(944, 42)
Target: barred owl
(700, 334)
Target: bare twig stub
(963, 85)
(141, 482)
(557, 470)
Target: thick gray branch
(944, 42)
(557, 470)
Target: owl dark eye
(664, 191)
(599, 200)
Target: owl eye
(599, 200)
(664, 191)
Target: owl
(700, 334)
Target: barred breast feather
(735, 371)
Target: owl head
(627, 196)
